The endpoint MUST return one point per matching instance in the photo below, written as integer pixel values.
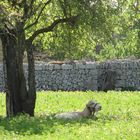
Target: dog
(91, 108)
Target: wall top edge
(61, 63)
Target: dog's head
(93, 106)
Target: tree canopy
(113, 24)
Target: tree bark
(31, 81)
(18, 98)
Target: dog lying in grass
(91, 108)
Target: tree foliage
(114, 24)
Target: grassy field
(118, 120)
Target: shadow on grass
(25, 125)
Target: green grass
(118, 120)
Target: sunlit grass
(119, 118)
(2, 104)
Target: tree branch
(52, 26)
(36, 21)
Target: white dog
(89, 110)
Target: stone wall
(66, 76)
(1, 78)
(1, 54)
(84, 76)
(127, 73)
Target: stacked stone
(66, 76)
(128, 73)
(82, 76)
(1, 78)
(131, 74)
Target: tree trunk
(18, 99)
(31, 79)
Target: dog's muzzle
(96, 107)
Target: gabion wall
(1, 78)
(128, 73)
(83, 76)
